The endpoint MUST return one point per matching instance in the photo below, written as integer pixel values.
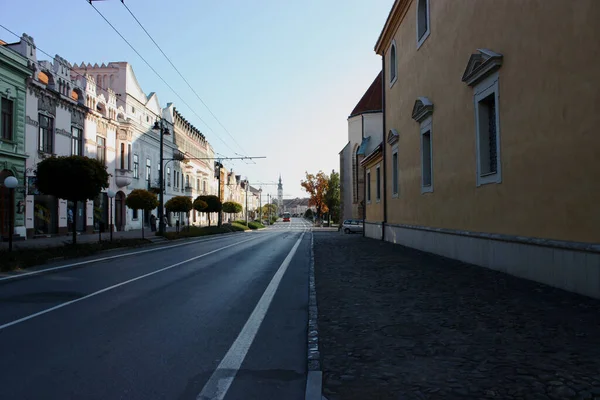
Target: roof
(373, 156)
(397, 13)
(363, 146)
(372, 100)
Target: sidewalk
(396, 323)
(55, 241)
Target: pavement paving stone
(397, 323)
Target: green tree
(308, 213)
(231, 207)
(179, 204)
(213, 205)
(140, 199)
(332, 197)
(72, 178)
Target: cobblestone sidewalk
(396, 323)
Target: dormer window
(393, 64)
(423, 26)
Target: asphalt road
(223, 318)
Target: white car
(352, 225)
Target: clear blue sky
(281, 76)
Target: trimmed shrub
(255, 225)
(238, 227)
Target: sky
(281, 77)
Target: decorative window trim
(368, 186)
(396, 194)
(422, 109)
(481, 66)
(378, 184)
(393, 137)
(394, 70)
(426, 126)
(422, 39)
(484, 89)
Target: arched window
(422, 21)
(112, 81)
(393, 63)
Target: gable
(422, 109)
(481, 65)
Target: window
(132, 109)
(422, 21)
(122, 155)
(7, 119)
(488, 131)
(168, 176)
(76, 141)
(395, 182)
(136, 166)
(129, 157)
(101, 149)
(46, 134)
(187, 181)
(135, 214)
(393, 64)
(426, 157)
(378, 183)
(368, 186)
(197, 184)
(148, 169)
(204, 187)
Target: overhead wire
(181, 75)
(156, 73)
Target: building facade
(14, 73)
(365, 128)
(490, 138)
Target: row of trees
(324, 192)
(80, 178)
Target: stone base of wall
(89, 229)
(373, 230)
(570, 266)
(63, 230)
(30, 233)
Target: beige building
(491, 152)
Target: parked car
(352, 226)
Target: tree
(140, 199)
(308, 213)
(72, 178)
(269, 210)
(316, 187)
(179, 204)
(213, 205)
(231, 207)
(332, 196)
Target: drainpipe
(384, 145)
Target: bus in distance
(286, 217)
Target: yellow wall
(374, 208)
(549, 118)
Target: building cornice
(399, 10)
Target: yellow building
(372, 165)
(492, 154)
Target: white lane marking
(217, 386)
(20, 275)
(46, 311)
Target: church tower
(280, 195)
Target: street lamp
(111, 195)
(11, 183)
(161, 200)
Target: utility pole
(218, 167)
(246, 202)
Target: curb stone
(314, 379)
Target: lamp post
(246, 202)
(260, 205)
(11, 183)
(161, 197)
(111, 195)
(218, 167)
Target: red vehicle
(286, 217)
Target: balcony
(188, 190)
(123, 177)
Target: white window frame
(427, 126)
(395, 171)
(482, 90)
(378, 184)
(428, 31)
(368, 186)
(395, 66)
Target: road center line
(21, 275)
(217, 386)
(46, 311)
